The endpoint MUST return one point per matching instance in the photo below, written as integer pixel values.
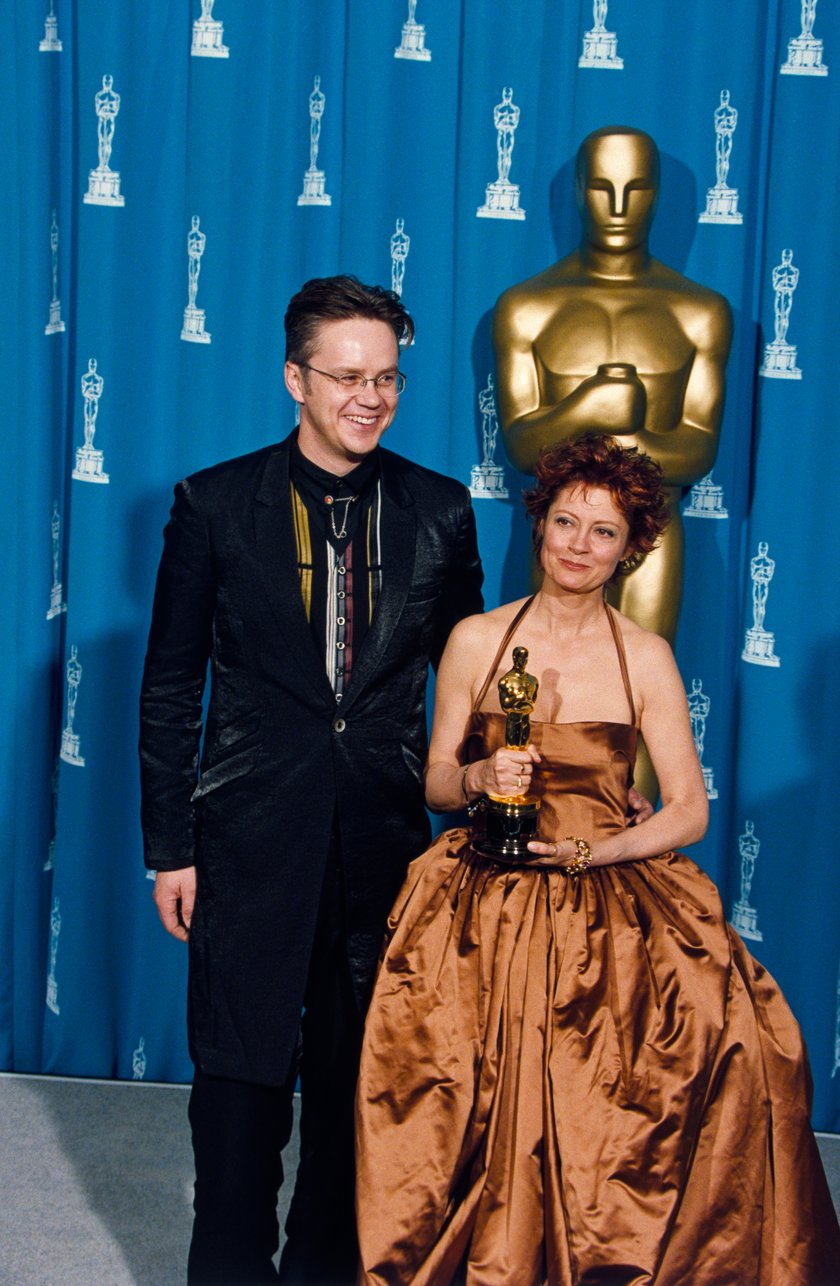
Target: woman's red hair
(633, 480)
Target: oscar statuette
(503, 824)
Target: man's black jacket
(282, 764)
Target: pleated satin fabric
(581, 1081)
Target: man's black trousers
(240, 1129)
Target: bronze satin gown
(579, 1081)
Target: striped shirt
(338, 542)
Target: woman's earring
(630, 563)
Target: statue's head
(520, 656)
(617, 181)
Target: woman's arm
(451, 785)
(666, 728)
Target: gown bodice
(585, 769)
(583, 776)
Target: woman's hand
(552, 855)
(506, 772)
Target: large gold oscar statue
(610, 339)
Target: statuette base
(51, 43)
(487, 482)
(56, 606)
(745, 921)
(721, 206)
(88, 468)
(706, 501)
(804, 58)
(313, 189)
(503, 827)
(780, 362)
(55, 325)
(599, 50)
(103, 188)
(413, 43)
(758, 648)
(70, 749)
(501, 201)
(193, 329)
(207, 39)
(52, 996)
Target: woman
(573, 1071)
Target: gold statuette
(503, 824)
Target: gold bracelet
(582, 859)
(464, 772)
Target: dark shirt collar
(320, 482)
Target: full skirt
(578, 1081)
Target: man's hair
(633, 480)
(325, 299)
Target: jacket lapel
(277, 557)
(399, 534)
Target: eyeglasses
(391, 383)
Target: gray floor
(96, 1182)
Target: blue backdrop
(132, 354)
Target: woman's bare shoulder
(646, 651)
(482, 630)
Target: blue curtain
(142, 339)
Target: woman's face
(584, 537)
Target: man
(319, 577)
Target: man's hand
(175, 899)
(641, 809)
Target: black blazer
(282, 764)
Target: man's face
(339, 428)
(617, 190)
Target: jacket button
(339, 725)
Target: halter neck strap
(508, 635)
(622, 661)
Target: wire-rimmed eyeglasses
(392, 382)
